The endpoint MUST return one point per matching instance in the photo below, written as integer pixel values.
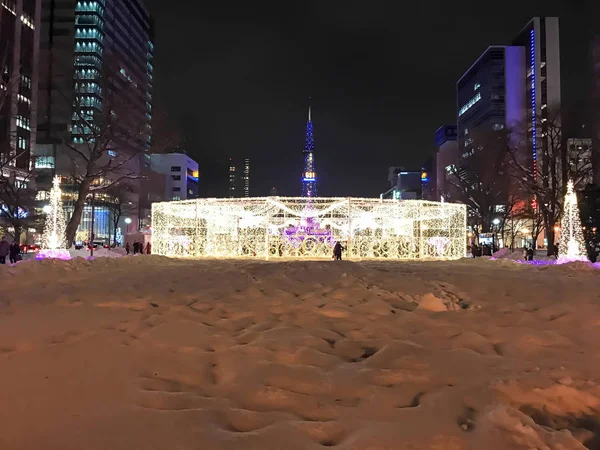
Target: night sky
(236, 80)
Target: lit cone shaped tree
(572, 244)
(53, 240)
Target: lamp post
(93, 216)
(496, 222)
(127, 221)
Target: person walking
(337, 251)
(14, 251)
(127, 248)
(148, 248)
(4, 250)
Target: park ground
(155, 353)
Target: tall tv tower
(309, 176)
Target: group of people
(483, 250)
(13, 251)
(138, 247)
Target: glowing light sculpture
(297, 227)
(53, 239)
(572, 245)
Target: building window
(498, 126)
(176, 197)
(176, 189)
(23, 122)
(175, 168)
(22, 144)
(469, 104)
(176, 177)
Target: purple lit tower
(309, 176)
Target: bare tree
(481, 181)
(18, 210)
(524, 220)
(120, 204)
(545, 179)
(110, 137)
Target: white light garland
(292, 227)
(572, 245)
(53, 239)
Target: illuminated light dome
(290, 227)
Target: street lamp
(127, 220)
(496, 222)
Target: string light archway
(290, 227)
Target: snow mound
(117, 252)
(430, 302)
(150, 352)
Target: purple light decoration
(440, 243)
(533, 101)
(53, 254)
(307, 228)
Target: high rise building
(232, 179)
(580, 159)
(490, 96)
(404, 184)
(181, 174)
(246, 178)
(309, 176)
(93, 54)
(19, 44)
(542, 84)
(96, 63)
(596, 108)
(446, 159)
(239, 178)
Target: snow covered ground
(153, 353)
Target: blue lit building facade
(309, 175)
(540, 39)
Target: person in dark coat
(136, 247)
(14, 251)
(337, 251)
(4, 250)
(530, 254)
(127, 248)
(148, 248)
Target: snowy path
(152, 353)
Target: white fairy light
(572, 246)
(275, 227)
(53, 239)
